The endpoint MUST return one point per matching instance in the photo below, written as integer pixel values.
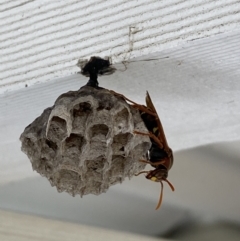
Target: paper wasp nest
(84, 143)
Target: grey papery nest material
(85, 142)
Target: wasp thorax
(84, 143)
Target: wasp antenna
(170, 184)
(161, 196)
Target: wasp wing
(161, 135)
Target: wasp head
(159, 174)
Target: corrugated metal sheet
(41, 40)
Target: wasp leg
(153, 163)
(151, 135)
(137, 174)
(123, 97)
(145, 161)
(135, 105)
(145, 110)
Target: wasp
(160, 155)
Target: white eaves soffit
(42, 40)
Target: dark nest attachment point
(94, 67)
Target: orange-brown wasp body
(160, 154)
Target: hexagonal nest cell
(85, 142)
